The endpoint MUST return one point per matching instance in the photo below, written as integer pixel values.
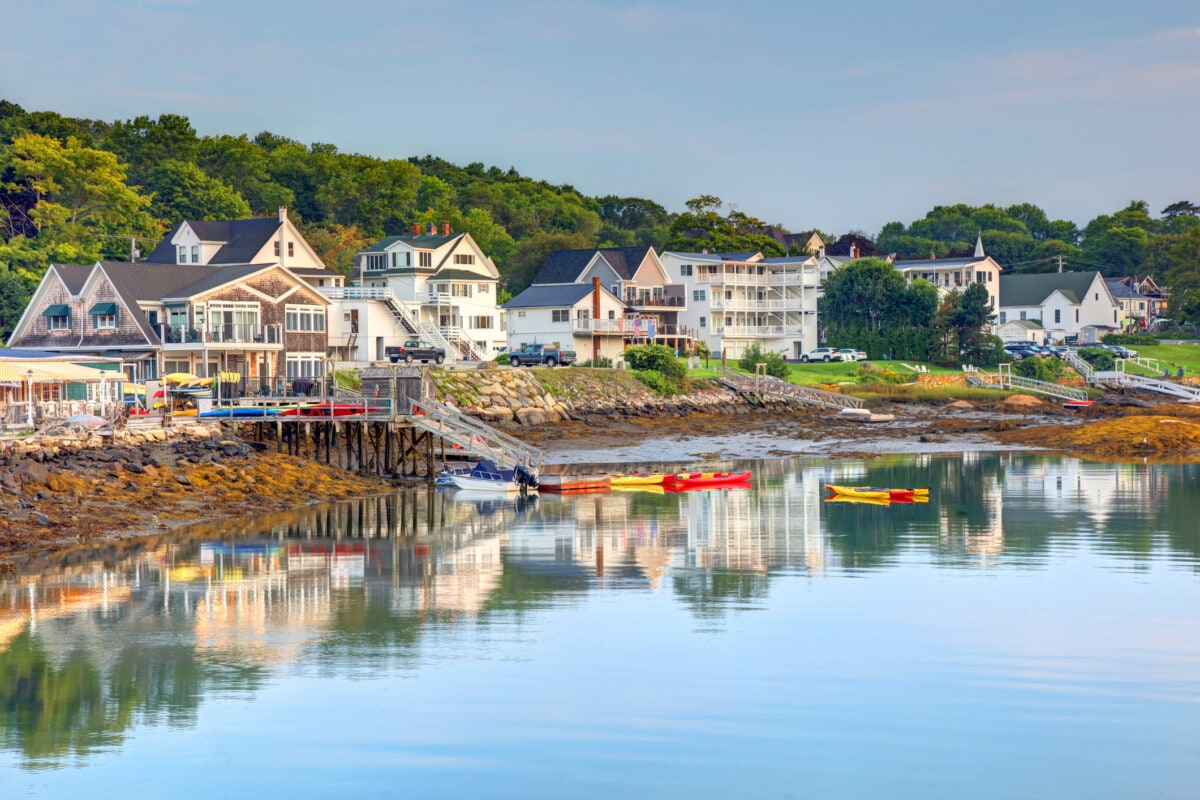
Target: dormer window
(195, 254)
(377, 261)
(425, 259)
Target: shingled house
(261, 320)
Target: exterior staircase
(1004, 379)
(770, 386)
(1119, 378)
(473, 436)
(450, 339)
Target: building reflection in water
(252, 594)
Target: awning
(103, 308)
(14, 371)
(57, 310)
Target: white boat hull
(484, 484)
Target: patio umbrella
(87, 420)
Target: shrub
(661, 360)
(598, 362)
(869, 373)
(755, 355)
(1099, 358)
(657, 382)
(1131, 339)
(1040, 369)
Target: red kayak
(690, 479)
(330, 410)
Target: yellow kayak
(637, 480)
(868, 492)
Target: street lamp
(29, 414)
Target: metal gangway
(770, 386)
(473, 436)
(1006, 380)
(1121, 379)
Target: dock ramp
(474, 437)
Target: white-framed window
(460, 290)
(698, 295)
(612, 314)
(685, 270)
(582, 313)
(482, 323)
(182, 256)
(195, 254)
(1077, 315)
(61, 322)
(305, 365)
(303, 319)
(560, 315)
(485, 288)
(291, 249)
(520, 315)
(704, 322)
(1003, 317)
(376, 261)
(425, 259)
(1022, 315)
(105, 322)
(1058, 315)
(464, 258)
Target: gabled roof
(243, 239)
(1123, 291)
(939, 263)
(557, 295)
(217, 278)
(565, 266)
(425, 242)
(73, 275)
(1032, 290)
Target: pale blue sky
(832, 115)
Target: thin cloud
(1182, 33)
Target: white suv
(826, 354)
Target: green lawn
(817, 373)
(1172, 356)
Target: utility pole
(1060, 264)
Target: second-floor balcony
(757, 331)
(807, 278)
(629, 328)
(806, 304)
(223, 334)
(656, 297)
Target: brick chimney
(445, 227)
(432, 229)
(416, 229)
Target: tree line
(78, 190)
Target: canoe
(708, 478)
(638, 479)
(1079, 404)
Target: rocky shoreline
(58, 490)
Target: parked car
(414, 350)
(850, 354)
(825, 354)
(1016, 354)
(1119, 352)
(534, 354)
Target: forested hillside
(77, 190)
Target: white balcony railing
(808, 279)
(757, 331)
(223, 333)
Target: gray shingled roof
(938, 262)
(424, 242)
(565, 266)
(243, 238)
(1032, 290)
(219, 277)
(74, 275)
(1124, 291)
(560, 295)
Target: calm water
(1032, 632)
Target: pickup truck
(415, 351)
(534, 354)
